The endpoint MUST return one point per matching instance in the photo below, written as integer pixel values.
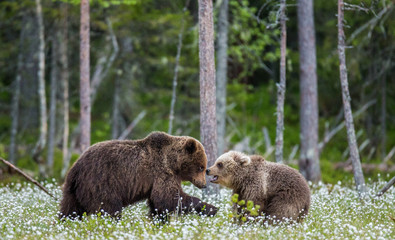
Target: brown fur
(113, 174)
(279, 190)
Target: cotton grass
(336, 212)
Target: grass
(336, 213)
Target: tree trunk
(352, 142)
(101, 70)
(115, 109)
(281, 86)
(176, 69)
(208, 121)
(383, 116)
(85, 106)
(15, 101)
(52, 109)
(64, 78)
(309, 157)
(222, 72)
(41, 91)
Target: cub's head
(227, 167)
(192, 162)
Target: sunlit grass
(336, 213)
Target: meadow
(336, 212)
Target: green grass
(336, 213)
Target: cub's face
(193, 163)
(226, 167)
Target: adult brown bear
(114, 174)
(279, 190)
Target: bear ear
(190, 146)
(244, 160)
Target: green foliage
(104, 3)
(249, 39)
(241, 211)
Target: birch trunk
(85, 106)
(41, 91)
(383, 116)
(15, 102)
(115, 109)
(309, 155)
(176, 69)
(281, 86)
(352, 142)
(222, 72)
(52, 109)
(64, 78)
(208, 121)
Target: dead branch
(372, 22)
(390, 155)
(30, 179)
(386, 187)
(367, 167)
(329, 135)
(127, 131)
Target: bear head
(193, 162)
(227, 167)
(183, 156)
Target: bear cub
(279, 190)
(113, 174)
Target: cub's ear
(190, 146)
(244, 160)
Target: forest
(305, 83)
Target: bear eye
(201, 169)
(220, 165)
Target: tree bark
(52, 109)
(281, 86)
(64, 78)
(101, 70)
(15, 102)
(352, 142)
(222, 72)
(176, 69)
(208, 121)
(309, 157)
(85, 105)
(41, 91)
(383, 117)
(386, 187)
(115, 108)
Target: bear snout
(208, 171)
(199, 184)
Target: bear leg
(167, 198)
(70, 207)
(279, 208)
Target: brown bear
(279, 190)
(113, 174)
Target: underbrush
(336, 213)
